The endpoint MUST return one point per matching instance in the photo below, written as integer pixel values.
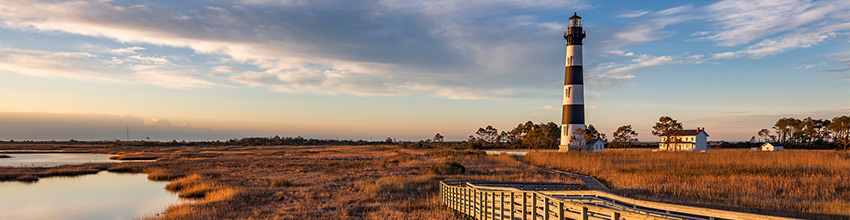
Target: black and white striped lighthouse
(573, 116)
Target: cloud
(367, 47)
(725, 55)
(745, 21)
(633, 14)
(675, 10)
(809, 66)
(775, 27)
(549, 107)
(100, 49)
(838, 70)
(223, 69)
(91, 67)
(641, 61)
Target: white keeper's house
(767, 146)
(687, 140)
(595, 145)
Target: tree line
(526, 135)
(808, 133)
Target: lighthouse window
(568, 91)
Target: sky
(372, 69)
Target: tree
(579, 140)
(787, 129)
(541, 135)
(488, 134)
(667, 128)
(764, 134)
(840, 128)
(591, 133)
(624, 137)
(438, 138)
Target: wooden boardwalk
(590, 182)
(534, 200)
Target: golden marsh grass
(795, 183)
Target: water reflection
(53, 159)
(101, 196)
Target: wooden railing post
(615, 216)
(513, 208)
(546, 208)
(493, 205)
(502, 205)
(524, 205)
(465, 201)
(476, 210)
(483, 205)
(534, 206)
(561, 211)
(584, 213)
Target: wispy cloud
(92, 67)
(675, 10)
(633, 14)
(838, 70)
(641, 61)
(745, 21)
(809, 66)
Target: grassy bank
(317, 182)
(795, 183)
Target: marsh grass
(137, 156)
(31, 174)
(161, 175)
(795, 183)
(279, 182)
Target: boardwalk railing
(547, 201)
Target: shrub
(279, 183)
(448, 168)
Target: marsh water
(53, 159)
(103, 195)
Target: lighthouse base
(567, 148)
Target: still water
(99, 196)
(53, 159)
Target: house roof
(690, 132)
(775, 144)
(593, 141)
(679, 142)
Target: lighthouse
(573, 113)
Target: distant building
(767, 146)
(595, 145)
(687, 140)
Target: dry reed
(795, 183)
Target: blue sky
(372, 69)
